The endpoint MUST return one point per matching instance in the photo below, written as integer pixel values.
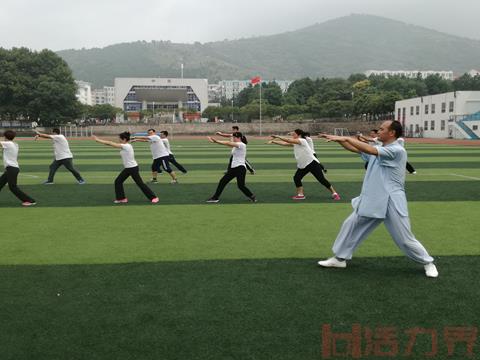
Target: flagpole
(260, 108)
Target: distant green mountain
(338, 47)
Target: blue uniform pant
(356, 228)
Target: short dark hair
(374, 130)
(9, 134)
(164, 132)
(151, 130)
(299, 132)
(56, 131)
(397, 127)
(237, 134)
(306, 133)
(124, 135)
(235, 127)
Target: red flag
(255, 80)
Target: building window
(442, 125)
(433, 108)
(475, 127)
(411, 110)
(417, 110)
(444, 107)
(399, 114)
(432, 125)
(425, 125)
(417, 128)
(426, 109)
(404, 111)
(450, 106)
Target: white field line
(466, 177)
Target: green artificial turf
(82, 278)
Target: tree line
(357, 96)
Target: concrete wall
(247, 128)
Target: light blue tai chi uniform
(382, 199)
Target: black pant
(316, 170)
(160, 162)
(10, 176)
(321, 165)
(238, 172)
(247, 164)
(410, 168)
(68, 163)
(135, 174)
(175, 163)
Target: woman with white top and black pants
(237, 170)
(10, 162)
(130, 169)
(306, 163)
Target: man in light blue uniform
(382, 199)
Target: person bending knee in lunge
(130, 169)
(236, 170)
(306, 163)
(10, 162)
(160, 155)
(382, 200)
(63, 156)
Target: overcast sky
(65, 24)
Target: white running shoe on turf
(431, 270)
(333, 262)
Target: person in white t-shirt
(171, 157)
(312, 146)
(10, 163)
(63, 156)
(306, 163)
(130, 169)
(236, 170)
(235, 128)
(160, 155)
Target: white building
(412, 74)
(104, 96)
(136, 94)
(84, 92)
(473, 73)
(449, 115)
(230, 88)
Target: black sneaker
(253, 199)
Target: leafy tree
(36, 86)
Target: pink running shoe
(155, 200)
(298, 197)
(121, 201)
(335, 197)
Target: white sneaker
(333, 262)
(431, 270)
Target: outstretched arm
(221, 142)
(219, 133)
(287, 140)
(107, 142)
(279, 142)
(352, 144)
(42, 135)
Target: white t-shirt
(61, 148)
(401, 141)
(167, 145)
(128, 156)
(238, 155)
(10, 153)
(303, 154)
(375, 141)
(310, 143)
(157, 146)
